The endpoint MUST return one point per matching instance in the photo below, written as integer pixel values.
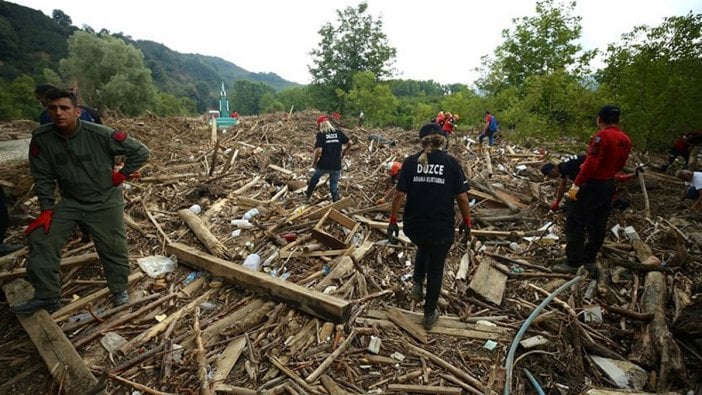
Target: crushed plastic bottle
(190, 278)
(252, 262)
(242, 223)
(196, 208)
(250, 214)
(284, 276)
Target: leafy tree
(110, 73)
(245, 96)
(537, 45)
(296, 99)
(655, 74)
(356, 43)
(61, 18)
(17, 99)
(269, 103)
(170, 105)
(376, 100)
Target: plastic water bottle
(250, 214)
(252, 262)
(242, 223)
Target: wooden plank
(66, 263)
(62, 360)
(64, 312)
(227, 359)
(297, 254)
(327, 307)
(488, 282)
(424, 389)
(407, 325)
(338, 205)
(280, 169)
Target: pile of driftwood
(238, 286)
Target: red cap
(322, 118)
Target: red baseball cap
(322, 118)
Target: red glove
(118, 178)
(43, 220)
(555, 204)
(465, 227)
(134, 176)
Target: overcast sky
(440, 40)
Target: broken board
(488, 282)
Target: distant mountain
(31, 42)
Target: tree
(245, 96)
(537, 46)
(269, 103)
(110, 73)
(61, 18)
(356, 43)
(376, 100)
(17, 99)
(655, 74)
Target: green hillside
(31, 42)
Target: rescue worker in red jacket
(592, 191)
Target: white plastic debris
(374, 345)
(490, 345)
(112, 341)
(157, 265)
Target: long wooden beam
(313, 302)
(62, 360)
(66, 263)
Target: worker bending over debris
(431, 180)
(393, 171)
(329, 149)
(693, 189)
(78, 157)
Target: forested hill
(31, 42)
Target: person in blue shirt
(86, 113)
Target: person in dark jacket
(78, 157)
(431, 181)
(330, 147)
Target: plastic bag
(157, 265)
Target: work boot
(8, 248)
(34, 304)
(417, 291)
(120, 298)
(430, 320)
(593, 268)
(564, 268)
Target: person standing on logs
(430, 180)
(329, 149)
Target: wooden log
(9, 258)
(288, 372)
(232, 389)
(214, 330)
(461, 374)
(66, 263)
(489, 282)
(64, 312)
(424, 389)
(331, 386)
(161, 326)
(330, 358)
(227, 359)
(202, 232)
(407, 325)
(488, 161)
(200, 356)
(62, 360)
(656, 347)
(338, 205)
(312, 302)
(644, 192)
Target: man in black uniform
(567, 170)
(78, 157)
(329, 149)
(431, 180)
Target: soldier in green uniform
(78, 157)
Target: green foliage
(17, 99)
(537, 45)
(356, 43)
(376, 100)
(61, 18)
(110, 73)
(469, 106)
(295, 98)
(245, 96)
(655, 74)
(269, 103)
(170, 105)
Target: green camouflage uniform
(82, 166)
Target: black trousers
(588, 214)
(429, 264)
